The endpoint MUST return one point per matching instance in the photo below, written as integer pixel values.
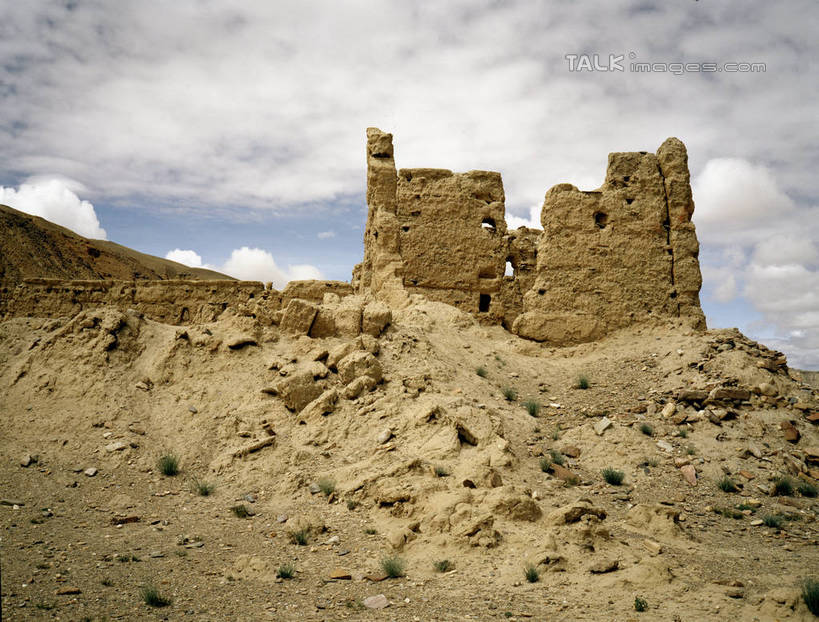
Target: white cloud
(533, 222)
(326, 235)
(256, 264)
(781, 250)
(54, 199)
(185, 257)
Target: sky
(231, 135)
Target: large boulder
(298, 317)
(358, 364)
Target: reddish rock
(790, 432)
(689, 473)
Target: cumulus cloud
(256, 264)
(326, 235)
(533, 221)
(185, 257)
(54, 199)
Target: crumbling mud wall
(625, 253)
(168, 301)
(440, 234)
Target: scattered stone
(282, 518)
(383, 436)
(790, 432)
(90, 472)
(573, 512)
(237, 342)
(156, 554)
(692, 395)
(339, 574)
(766, 388)
(12, 502)
(564, 474)
(116, 446)
(756, 522)
(28, 460)
(314, 488)
(571, 451)
(681, 462)
(747, 475)
(376, 577)
(192, 410)
(689, 473)
(604, 566)
(665, 446)
(602, 425)
(376, 602)
(668, 410)
(68, 590)
(655, 548)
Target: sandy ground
(432, 464)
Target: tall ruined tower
(623, 254)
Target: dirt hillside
(32, 247)
(459, 453)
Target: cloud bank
(54, 199)
(250, 264)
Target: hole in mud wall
(408, 176)
(626, 178)
(405, 229)
(510, 269)
(540, 292)
(489, 225)
(601, 219)
(486, 273)
(381, 156)
(484, 301)
(185, 315)
(629, 201)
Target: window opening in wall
(483, 302)
(510, 269)
(489, 224)
(601, 219)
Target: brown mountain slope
(32, 247)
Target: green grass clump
(773, 520)
(783, 487)
(351, 505)
(726, 484)
(557, 457)
(286, 571)
(152, 597)
(202, 488)
(298, 536)
(646, 429)
(327, 486)
(532, 407)
(545, 464)
(810, 594)
(240, 511)
(393, 567)
(441, 471)
(556, 434)
(691, 450)
(443, 565)
(509, 394)
(640, 604)
(168, 465)
(582, 382)
(729, 513)
(746, 506)
(481, 371)
(806, 489)
(613, 476)
(370, 531)
(682, 432)
(531, 573)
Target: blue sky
(235, 132)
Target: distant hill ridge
(33, 247)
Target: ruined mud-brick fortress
(620, 255)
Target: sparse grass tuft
(531, 573)
(646, 429)
(351, 505)
(286, 571)
(443, 565)
(729, 513)
(532, 407)
(773, 520)
(298, 536)
(806, 489)
(107, 582)
(240, 511)
(783, 487)
(726, 484)
(168, 465)
(441, 471)
(640, 604)
(545, 464)
(557, 457)
(44, 606)
(152, 597)
(509, 394)
(810, 594)
(613, 476)
(393, 567)
(682, 432)
(556, 434)
(327, 486)
(370, 531)
(202, 488)
(481, 371)
(582, 382)
(690, 450)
